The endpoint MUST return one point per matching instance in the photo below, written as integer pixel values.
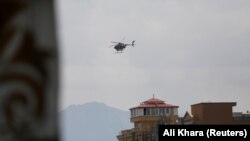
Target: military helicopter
(119, 46)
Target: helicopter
(119, 46)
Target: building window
(153, 112)
(171, 111)
(132, 113)
(147, 111)
(167, 110)
(162, 111)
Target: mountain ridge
(93, 121)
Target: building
(146, 117)
(215, 113)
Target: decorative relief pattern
(24, 76)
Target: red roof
(154, 103)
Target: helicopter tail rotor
(133, 43)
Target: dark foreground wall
(28, 71)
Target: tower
(146, 116)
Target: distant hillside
(93, 122)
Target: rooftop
(154, 103)
(210, 103)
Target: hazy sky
(186, 52)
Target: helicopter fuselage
(120, 47)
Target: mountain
(93, 122)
